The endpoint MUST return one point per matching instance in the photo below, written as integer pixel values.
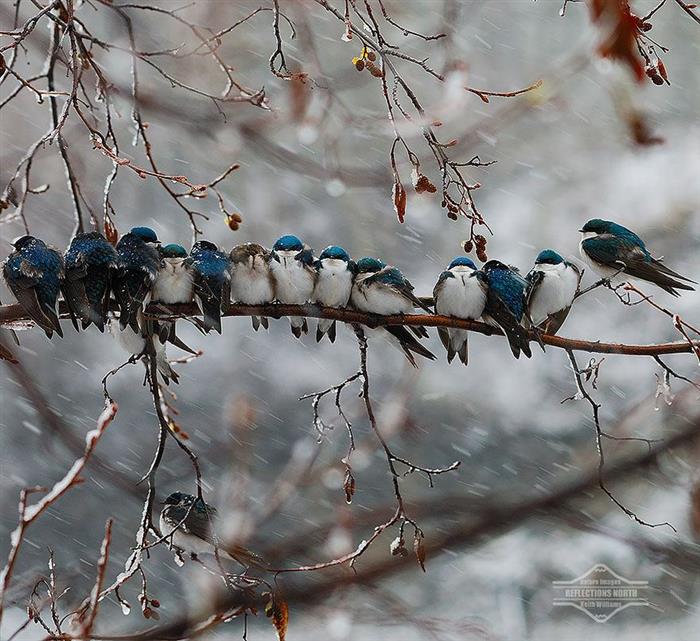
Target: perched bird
(174, 285)
(505, 304)
(610, 249)
(89, 265)
(379, 288)
(175, 281)
(461, 293)
(187, 523)
(135, 343)
(33, 272)
(251, 282)
(212, 281)
(334, 276)
(138, 262)
(293, 276)
(551, 287)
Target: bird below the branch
(189, 524)
(614, 251)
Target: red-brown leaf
(398, 195)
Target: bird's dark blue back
(509, 287)
(46, 268)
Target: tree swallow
(33, 273)
(212, 281)
(552, 286)
(175, 281)
(610, 248)
(379, 288)
(134, 343)
(89, 265)
(461, 293)
(334, 276)
(505, 304)
(138, 262)
(251, 282)
(188, 524)
(293, 276)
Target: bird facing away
(251, 282)
(334, 276)
(33, 272)
(138, 262)
(610, 249)
(379, 288)
(188, 523)
(293, 276)
(551, 287)
(212, 282)
(505, 304)
(90, 262)
(460, 292)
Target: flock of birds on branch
(139, 270)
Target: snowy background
(564, 155)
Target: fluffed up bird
(174, 286)
(188, 523)
(175, 281)
(33, 272)
(293, 276)
(212, 282)
(461, 293)
(334, 276)
(90, 263)
(551, 287)
(138, 262)
(505, 304)
(611, 249)
(251, 282)
(379, 288)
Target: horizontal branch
(13, 313)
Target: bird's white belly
(461, 297)
(251, 286)
(378, 299)
(294, 284)
(333, 287)
(555, 293)
(174, 285)
(187, 542)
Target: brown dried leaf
(277, 610)
(419, 549)
(619, 28)
(111, 233)
(398, 195)
(349, 486)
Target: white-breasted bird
(552, 286)
(334, 276)
(251, 281)
(379, 288)
(293, 276)
(461, 293)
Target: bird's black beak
(581, 230)
(274, 256)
